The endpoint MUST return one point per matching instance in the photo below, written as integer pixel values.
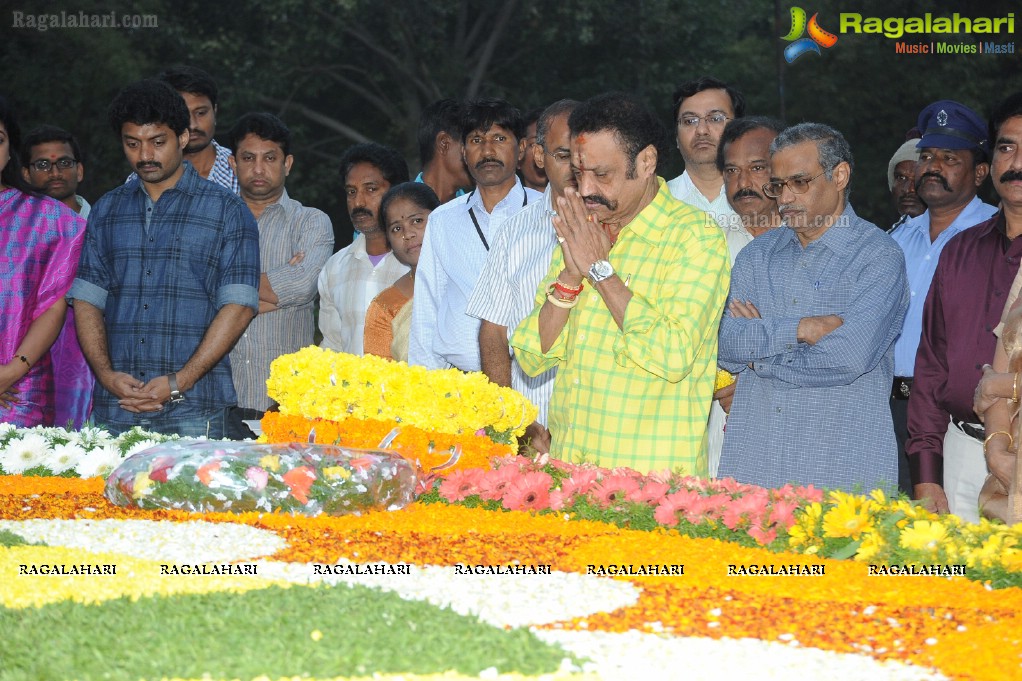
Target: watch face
(600, 270)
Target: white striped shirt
(451, 259)
(285, 228)
(506, 293)
(347, 284)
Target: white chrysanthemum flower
(24, 453)
(99, 462)
(7, 427)
(63, 457)
(139, 446)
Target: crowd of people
(740, 320)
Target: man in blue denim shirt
(168, 279)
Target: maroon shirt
(964, 305)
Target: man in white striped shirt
(519, 259)
(294, 243)
(357, 273)
(458, 238)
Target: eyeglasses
(43, 165)
(712, 120)
(797, 185)
(559, 156)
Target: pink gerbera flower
(651, 493)
(613, 489)
(530, 491)
(580, 482)
(764, 537)
(462, 484)
(783, 513)
(493, 483)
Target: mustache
(600, 199)
(148, 164)
(1011, 176)
(361, 211)
(490, 160)
(196, 131)
(746, 193)
(940, 177)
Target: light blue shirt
(450, 261)
(921, 258)
(506, 291)
(818, 413)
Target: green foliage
(350, 70)
(265, 632)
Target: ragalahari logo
(817, 36)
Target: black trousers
(899, 413)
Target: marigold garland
(322, 384)
(428, 450)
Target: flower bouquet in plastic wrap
(237, 477)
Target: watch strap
(175, 392)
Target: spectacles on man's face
(713, 120)
(560, 156)
(797, 185)
(43, 165)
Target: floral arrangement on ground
(556, 570)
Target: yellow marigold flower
(724, 379)
(924, 534)
(270, 462)
(336, 472)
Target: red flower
(462, 484)
(651, 493)
(299, 480)
(530, 491)
(161, 467)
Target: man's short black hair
(1009, 107)
(443, 115)
(531, 116)
(634, 124)
(482, 114)
(193, 80)
(149, 102)
(689, 88)
(737, 128)
(49, 133)
(388, 160)
(263, 125)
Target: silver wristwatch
(600, 270)
(175, 394)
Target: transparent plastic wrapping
(239, 477)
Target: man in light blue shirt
(814, 308)
(458, 239)
(951, 167)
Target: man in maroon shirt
(964, 304)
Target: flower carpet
(442, 590)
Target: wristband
(563, 304)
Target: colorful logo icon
(817, 36)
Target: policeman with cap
(952, 164)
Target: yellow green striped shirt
(639, 397)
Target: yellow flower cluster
(724, 379)
(319, 383)
(876, 529)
